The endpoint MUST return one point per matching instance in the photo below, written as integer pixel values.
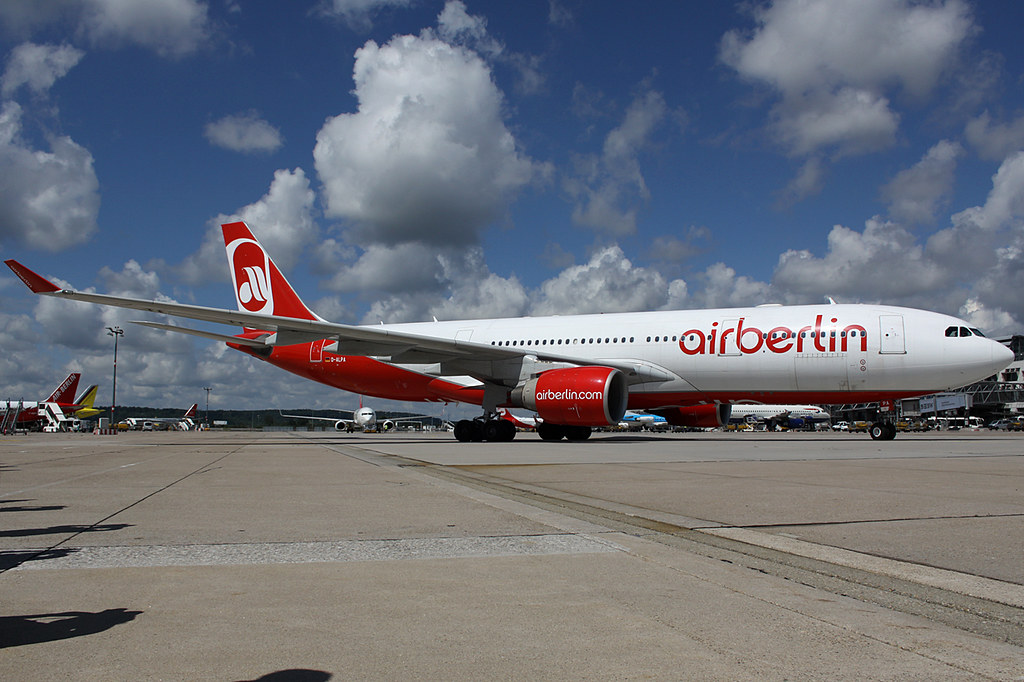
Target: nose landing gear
(882, 431)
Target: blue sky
(409, 158)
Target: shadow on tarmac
(14, 558)
(51, 627)
(294, 675)
(61, 530)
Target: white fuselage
(817, 353)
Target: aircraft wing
(319, 419)
(474, 359)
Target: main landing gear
(558, 432)
(882, 431)
(482, 429)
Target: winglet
(37, 283)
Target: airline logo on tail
(250, 269)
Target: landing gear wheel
(882, 431)
(550, 432)
(577, 432)
(468, 431)
(499, 431)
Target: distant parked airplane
(793, 415)
(52, 411)
(364, 418)
(184, 422)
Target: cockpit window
(961, 332)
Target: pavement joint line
(944, 579)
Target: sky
(403, 159)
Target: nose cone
(1001, 356)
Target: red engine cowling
(705, 416)
(577, 396)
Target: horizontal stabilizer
(226, 338)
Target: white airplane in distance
(798, 414)
(581, 371)
(182, 423)
(364, 419)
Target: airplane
(86, 402)
(639, 421)
(184, 422)
(364, 418)
(528, 423)
(51, 410)
(794, 415)
(582, 371)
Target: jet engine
(576, 396)
(704, 416)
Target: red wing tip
(37, 283)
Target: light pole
(115, 332)
(207, 389)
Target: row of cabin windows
(692, 337)
(567, 342)
(853, 333)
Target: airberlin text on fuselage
(750, 339)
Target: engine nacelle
(576, 396)
(704, 416)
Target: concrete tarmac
(317, 556)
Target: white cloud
(426, 157)
(799, 46)
(915, 194)
(282, 220)
(458, 27)
(48, 199)
(358, 14)
(171, 28)
(246, 132)
(608, 282)
(1005, 203)
(851, 121)
(995, 141)
(608, 188)
(38, 66)
(879, 264)
(833, 63)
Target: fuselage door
(891, 339)
(728, 344)
(316, 350)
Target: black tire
(877, 431)
(550, 432)
(507, 431)
(577, 432)
(464, 431)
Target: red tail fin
(65, 393)
(191, 412)
(259, 285)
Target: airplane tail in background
(85, 405)
(89, 397)
(191, 412)
(259, 285)
(65, 393)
